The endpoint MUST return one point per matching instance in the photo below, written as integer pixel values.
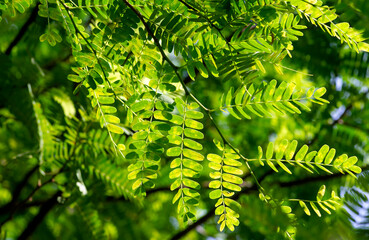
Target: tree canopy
(184, 119)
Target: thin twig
(44, 210)
(17, 191)
(23, 30)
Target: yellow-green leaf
(115, 129)
(305, 208)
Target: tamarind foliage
(191, 119)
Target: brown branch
(128, 56)
(12, 206)
(23, 30)
(17, 191)
(188, 6)
(44, 210)
(12, 209)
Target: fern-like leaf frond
(184, 135)
(226, 182)
(323, 17)
(92, 219)
(112, 176)
(268, 100)
(285, 152)
(328, 204)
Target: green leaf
(330, 156)
(310, 156)
(316, 210)
(141, 126)
(232, 179)
(341, 159)
(192, 144)
(176, 173)
(74, 78)
(232, 203)
(321, 193)
(323, 168)
(138, 183)
(306, 209)
(320, 92)
(190, 183)
(175, 130)
(355, 169)
(324, 208)
(232, 170)
(191, 71)
(269, 91)
(284, 167)
(281, 149)
(260, 66)
(288, 92)
(211, 66)
(279, 91)
(111, 119)
(215, 166)
(138, 106)
(260, 153)
(286, 209)
(194, 115)
(121, 147)
(191, 133)
(271, 165)
(215, 184)
(115, 129)
(175, 163)
(222, 226)
(231, 186)
(192, 165)
(177, 196)
(108, 109)
(193, 124)
(215, 194)
(300, 155)
(321, 154)
(203, 71)
(192, 154)
(228, 102)
(364, 47)
(232, 162)
(269, 151)
(106, 100)
(290, 151)
(214, 158)
(349, 162)
(174, 151)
